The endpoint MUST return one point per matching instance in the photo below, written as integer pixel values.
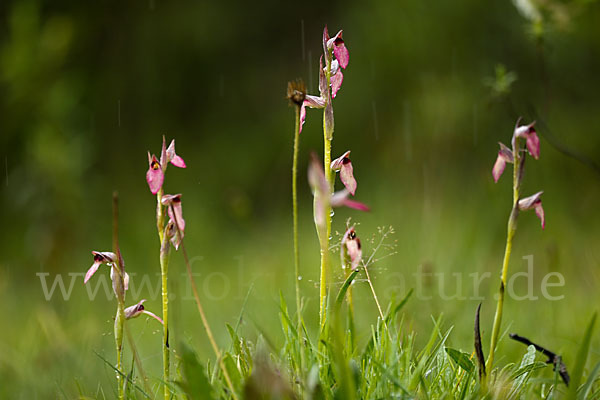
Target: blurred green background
(86, 88)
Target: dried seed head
(296, 92)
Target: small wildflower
(344, 166)
(172, 157)
(323, 195)
(505, 155)
(529, 134)
(175, 212)
(109, 259)
(534, 202)
(138, 309)
(99, 259)
(351, 249)
(336, 46)
(155, 175)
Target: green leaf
(342, 293)
(462, 359)
(195, 381)
(581, 360)
(585, 390)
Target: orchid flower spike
(174, 210)
(323, 195)
(529, 134)
(534, 202)
(336, 46)
(138, 309)
(505, 155)
(351, 251)
(343, 165)
(155, 175)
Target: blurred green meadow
(86, 89)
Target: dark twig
(553, 358)
(478, 348)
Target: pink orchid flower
(175, 212)
(529, 134)
(351, 249)
(138, 309)
(534, 202)
(155, 175)
(343, 165)
(336, 46)
(109, 259)
(505, 155)
(323, 195)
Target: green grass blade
(581, 360)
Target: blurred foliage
(87, 88)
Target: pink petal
(91, 271)
(352, 248)
(336, 83)
(347, 176)
(173, 158)
(530, 202)
(336, 164)
(539, 211)
(153, 316)
(302, 116)
(134, 310)
(322, 80)
(178, 217)
(499, 166)
(325, 39)
(126, 281)
(155, 176)
(533, 144)
(163, 154)
(316, 176)
(341, 52)
(314, 101)
(357, 205)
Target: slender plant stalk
(164, 269)
(511, 230)
(120, 314)
(295, 217)
(205, 323)
(324, 241)
(377, 302)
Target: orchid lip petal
(336, 83)
(498, 168)
(347, 176)
(302, 116)
(155, 175)
(314, 101)
(91, 271)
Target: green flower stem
(295, 217)
(164, 269)
(119, 322)
(119, 268)
(511, 230)
(324, 236)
